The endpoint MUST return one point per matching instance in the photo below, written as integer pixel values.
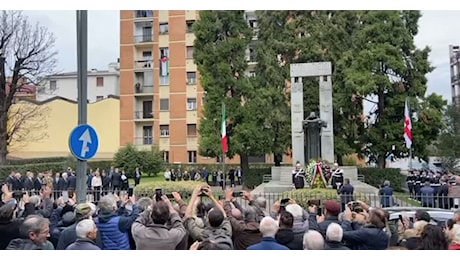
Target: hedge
(185, 188)
(36, 160)
(255, 177)
(376, 177)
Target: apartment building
(160, 94)
(101, 84)
(454, 57)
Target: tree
(448, 143)
(222, 38)
(26, 56)
(129, 158)
(384, 63)
(23, 118)
(287, 37)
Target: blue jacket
(386, 199)
(115, 229)
(268, 243)
(427, 195)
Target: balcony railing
(143, 13)
(145, 140)
(144, 63)
(143, 115)
(143, 89)
(143, 38)
(191, 81)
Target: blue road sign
(83, 142)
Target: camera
(237, 194)
(203, 191)
(158, 194)
(356, 207)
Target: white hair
(93, 208)
(268, 227)
(35, 200)
(334, 232)
(84, 227)
(107, 203)
(313, 240)
(295, 210)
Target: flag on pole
(407, 125)
(224, 130)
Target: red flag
(407, 125)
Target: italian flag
(224, 130)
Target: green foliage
(129, 158)
(349, 161)
(385, 63)
(37, 167)
(185, 188)
(255, 177)
(36, 160)
(222, 38)
(376, 177)
(448, 142)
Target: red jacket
(455, 246)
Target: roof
(72, 74)
(36, 102)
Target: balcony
(145, 140)
(143, 116)
(141, 90)
(143, 14)
(191, 81)
(143, 39)
(146, 63)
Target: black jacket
(9, 230)
(287, 237)
(334, 245)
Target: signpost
(83, 142)
(83, 146)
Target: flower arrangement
(315, 172)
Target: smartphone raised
(130, 192)
(158, 194)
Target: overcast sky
(437, 29)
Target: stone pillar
(297, 116)
(326, 114)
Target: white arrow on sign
(85, 138)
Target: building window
(189, 25)
(191, 156)
(191, 103)
(164, 104)
(164, 66)
(99, 81)
(164, 130)
(164, 52)
(164, 28)
(147, 109)
(53, 85)
(191, 130)
(143, 13)
(191, 78)
(166, 156)
(99, 98)
(190, 50)
(147, 135)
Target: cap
(333, 207)
(83, 210)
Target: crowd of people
(231, 178)
(167, 222)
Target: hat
(83, 210)
(333, 207)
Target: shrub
(349, 160)
(185, 188)
(255, 177)
(129, 157)
(37, 167)
(376, 177)
(302, 196)
(36, 160)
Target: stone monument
(281, 177)
(323, 70)
(312, 131)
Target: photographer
(159, 227)
(217, 229)
(245, 232)
(329, 215)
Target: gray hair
(268, 227)
(34, 224)
(250, 214)
(107, 203)
(334, 232)
(84, 227)
(35, 200)
(313, 240)
(386, 183)
(261, 202)
(143, 203)
(295, 210)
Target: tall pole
(82, 80)
(410, 158)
